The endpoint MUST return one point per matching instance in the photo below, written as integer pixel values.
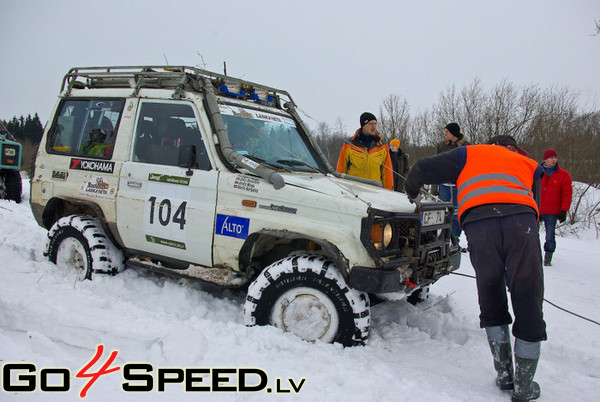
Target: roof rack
(161, 76)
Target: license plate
(430, 218)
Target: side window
(85, 127)
(168, 134)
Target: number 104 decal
(166, 212)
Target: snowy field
(432, 352)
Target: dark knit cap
(549, 153)
(454, 129)
(505, 140)
(366, 117)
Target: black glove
(416, 200)
(562, 216)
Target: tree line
(24, 128)
(537, 118)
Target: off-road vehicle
(10, 163)
(191, 173)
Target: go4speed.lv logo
(142, 377)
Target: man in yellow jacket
(365, 155)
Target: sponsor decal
(98, 187)
(163, 178)
(255, 114)
(279, 208)
(250, 162)
(246, 183)
(128, 114)
(165, 242)
(59, 174)
(232, 226)
(91, 165)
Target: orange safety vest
(494, 174)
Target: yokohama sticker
(91, 165)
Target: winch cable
(546, 300)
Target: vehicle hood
(349, 191)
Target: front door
(166, 206)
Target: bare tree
(394, 119)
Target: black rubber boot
(526, 360)
(548, 259)
(499, 340)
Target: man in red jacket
(557, 190)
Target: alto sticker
(91, 165)
(232, 226)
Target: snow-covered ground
(432, 352)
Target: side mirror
(187, 158)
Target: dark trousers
(505, 253)
(550, 225)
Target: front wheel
(79, 243)
(307, 296)
(11, 185)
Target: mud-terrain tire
(306, 295)
(78, 243)
(418, 296)
(11, 185)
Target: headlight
(381, 235)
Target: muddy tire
(306, 295)
(418, 296)
(79, 243)
(11, 185)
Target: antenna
(166, 61)
(224, 68)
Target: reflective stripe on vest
(493, 188)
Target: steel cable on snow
(546, 300)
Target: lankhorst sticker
(92, 165)
(232, 226)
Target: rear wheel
(11, 185)
(307, 296)
(79, 243)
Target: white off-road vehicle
(190, 173)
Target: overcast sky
(336, 58)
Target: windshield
(268, 138)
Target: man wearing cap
(447, 191)
(498, 194)
(365, 155)
(557, 192)
(399, 164)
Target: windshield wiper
(297, 162)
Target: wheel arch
(58, 207)
(263, 248)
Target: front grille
(425, 249)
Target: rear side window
(168, 133)
(85, 127)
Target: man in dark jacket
(498, 194)
(447, 191)
(557, 191)
(399, 164)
